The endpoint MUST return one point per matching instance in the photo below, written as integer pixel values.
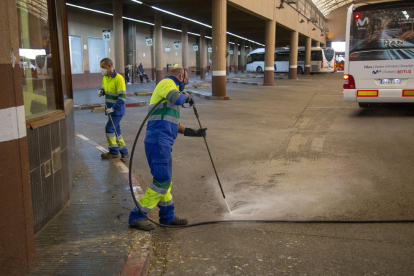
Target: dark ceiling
(238, 22)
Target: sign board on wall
(195, 47)
(148, 40)
(210, 49)
(231, 52)
(167, 49)
(106, 34)
(239, 53)
(176, 44)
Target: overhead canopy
(326, 6)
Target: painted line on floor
(122, 168)
(138, 259)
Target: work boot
(178, 221)
(144, 224)
(124, 157)
(109, 155)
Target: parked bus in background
(255, 60)
(322, 60)
(379, 55)
(340, 61)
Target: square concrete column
(159, 65)
(184, 42)
(228, 56)
(236, 56)
(203, 54)
(269, 70)
(16, 225)
(118, 38)
(293, 56)
(219, 11)
(243, 56)
(308, 55)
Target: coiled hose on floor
(235, 221)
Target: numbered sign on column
(231, 52)
(176, 44)
(106, 34)
(195, 47)
(148, 40)
(210, 49)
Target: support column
(131, 50)
(184, 42)
(308, 55)
(203, 54)
(119, 38)
(219, 11)
(243, 56)
(236, 56)
(317, 44)
(17, 255)
(269, 71)
(293, 56)
(159, 65)
(228, 56)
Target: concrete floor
(295, 151)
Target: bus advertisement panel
(379, 63)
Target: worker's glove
(101, 92)
(201, 132)
(109, 110)
(189, 99)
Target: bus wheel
(259, 70)
(362, 105)
(300, 70)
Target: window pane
(75, 49)
(98, 49)
(35, 57)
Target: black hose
(237, 221)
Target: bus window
(301, 56)
(316, 55)
(249, 58)
(329, 54)
(282, 56)
(258, 57)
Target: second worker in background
(113, 88)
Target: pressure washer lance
(211, 158)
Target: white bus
(255, 60)
(322, 60)
(379, 57)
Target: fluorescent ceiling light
(139, 2)
(245, 38)
(193, 33)
(80, 7)
(180, 16)
(208, 37)
(136, 20)
(172, 29)
(406, 14)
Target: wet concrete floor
(294, 151)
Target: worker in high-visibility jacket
(113, 88)
(162, 129)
